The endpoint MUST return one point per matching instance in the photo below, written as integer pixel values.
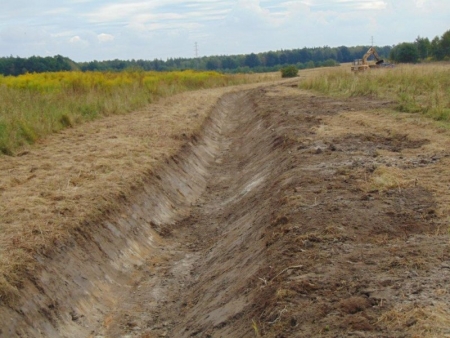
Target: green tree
(229, 63)
(283, 58)
(212, 64)
(436, 50)
(405, 52)
(346, 55)
(252, 60)
(271, 59)
(423, 47)
(445, 44)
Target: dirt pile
(291, 215)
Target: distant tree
(271, 59)
(329, 53)
(318, 54)
(345, 54)
(158, 64)
(283, 58)
(436, 50)
(212, 64)
(405, 52)
(304, 55)
(229, 63)
(445, 44)
(423, 47)
(252, 60)
(293, 56)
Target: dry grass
(431, 321)
(433, 176)
(405, 169)
(387, 178)
(70, 179)
(416, 89)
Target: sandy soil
(290, 215)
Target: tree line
(244, 63)
(35, 64)
(422, 49)
(261, 62)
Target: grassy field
(35, 105)
(423, 89)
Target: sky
(86, 30)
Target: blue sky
(85, 30)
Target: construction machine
(360, 65)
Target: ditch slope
(290, 215)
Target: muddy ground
(293, 215)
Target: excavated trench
(175, 258)
(278, 220)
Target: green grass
(423, 89)
(35, 105)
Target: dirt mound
(290, 215)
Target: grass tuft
(66, 120)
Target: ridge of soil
(290, 215)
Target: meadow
(35, 105)
(423, 89)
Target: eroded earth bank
(291, 215)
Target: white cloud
(119, 11)
(169, 28)
(78, 41)
(419, 3)
(105, 37)
(347, 5)
(369, 5)
(75, 39)
(57, 11)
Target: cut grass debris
(419, 321)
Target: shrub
(289, 71)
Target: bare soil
(288, 215)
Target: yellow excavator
(361, 65)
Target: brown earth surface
(287, 215)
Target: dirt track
(291, 216)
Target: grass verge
(423, 89)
